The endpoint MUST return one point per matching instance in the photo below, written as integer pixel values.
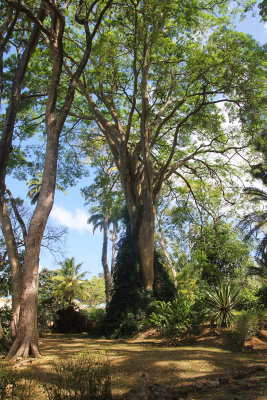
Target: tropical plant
(96, 291)
(172, 318)
(218, 251)
(35, 185)
(69, 283)
(222, 301)
(101, 221)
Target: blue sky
(69, 209)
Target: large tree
(158, 80)
(60, 94)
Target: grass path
(136, 364)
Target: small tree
(69, 283)
(219, 253)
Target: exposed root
(23, 349)
(23, 362)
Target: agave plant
(223, 300)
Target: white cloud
(76, 220)
(265, 26)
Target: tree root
(23, 349)
(23, 362)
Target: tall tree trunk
(27, 338)
(145, 247)
(105, 259)
(15, 265)
(114, 240)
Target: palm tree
(35, 185)
(69, 283)
(101, 221)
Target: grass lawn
(138, 362)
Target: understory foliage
(81, 378)
(223, 299)
(13, 387)
(177, 318)
(131, 304)
(247, 324)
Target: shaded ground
(145, 361)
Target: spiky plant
(222, 301)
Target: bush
(176, 318)
(82, 378)
(247, 300)
(247, 325)
(96, 317)
(6, 316)
(95, 314)
(262, 296)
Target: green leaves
(223, 300)
(69, 283)
(172, 318)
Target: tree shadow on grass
(135, 365)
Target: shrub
(6, 316)
(96, 317)
(262, 296)
(247, 325)
(247, 300)
(81, 378)
(176, 318)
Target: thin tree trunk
(27, 338)
(105, 259)
(166, 253)
(15, 265)
(114, 240)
